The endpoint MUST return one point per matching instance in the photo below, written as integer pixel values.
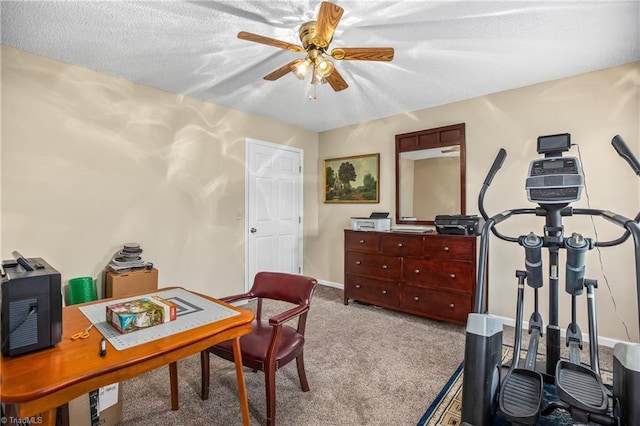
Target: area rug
(446, 409)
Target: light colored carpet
(366, 366)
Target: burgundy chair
(271, 344)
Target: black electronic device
(554, 180)
(554, 145)
(458, 224)
(31, 309)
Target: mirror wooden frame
(439, 137)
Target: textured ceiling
(445, 51)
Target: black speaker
(31, 310)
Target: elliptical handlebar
(631, 226)
(621, 148)
(497, 164)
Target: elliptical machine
(553, 182)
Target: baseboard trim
(604, 341)
(331, 284)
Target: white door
(274, 209)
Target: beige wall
(90, 162)
(592, 107)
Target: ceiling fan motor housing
(310, 40)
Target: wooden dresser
(430, 275)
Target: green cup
(81, 290)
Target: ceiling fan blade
(269, 41)
(280, 72)
(363, 53)
(336, 81)
(328, 19)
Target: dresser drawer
(375, 265)
(444, 275)
(436, 303)
(400, 245)
(449, 248)
(362, 241)
(378, 292)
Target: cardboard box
(119, 284)
(102, 407)
(135, 315)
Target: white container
(369, 224)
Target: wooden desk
(36, 383)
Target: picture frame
(354, 179)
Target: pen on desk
(103, 347)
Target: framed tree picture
(352, 179)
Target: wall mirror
(430, 174)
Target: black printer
(31, 309)
(458, 224)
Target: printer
(377, 221)
(31, 309)
(458, 224)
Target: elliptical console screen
(554, 180)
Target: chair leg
(270, 388)
(301, 373)
(204, 373)
(173, 380)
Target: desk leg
(242, 390)
(48, 418)
(173, 379)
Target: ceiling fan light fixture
(316, 36)
(324, 67)
(317, 78)
(301, 67)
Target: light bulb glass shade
(300, 68)
(324, 67)
(317, 78)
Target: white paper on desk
(107, 397)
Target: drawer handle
(452, 276)
(400, 245)
(385, 267)
(451, 305)
(416, 298)
(361, 241)
(384, 291)
(357, 285)
(358, 262)
(417, 271)
(445, 248)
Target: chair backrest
(281, 286)
(285, 287)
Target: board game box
(140, 313)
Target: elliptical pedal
(581, 387)
(521, 396)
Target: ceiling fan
(315, 37)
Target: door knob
(253, 230)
